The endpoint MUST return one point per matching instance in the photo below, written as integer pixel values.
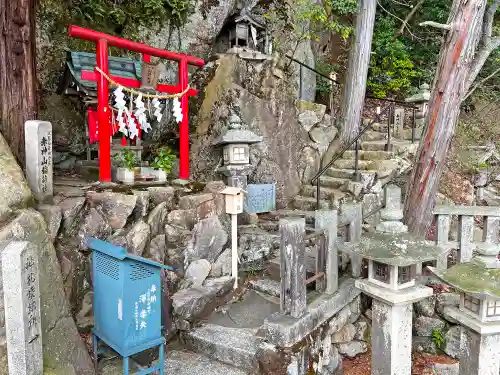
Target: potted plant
(126, 163)
(162, 162)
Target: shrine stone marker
(38, 144)
(399, 118)
(21, 294)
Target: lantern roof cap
(473, 278)
(238, 136)
(399, 249)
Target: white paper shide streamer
(120, 105)
(177, 110)
(140, 114)
(157, 106)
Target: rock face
(266, 106)
(13, 187)
(63, 349)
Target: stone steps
(189, 363)
(350, 164)
(368, 155)
(267, 286)
(309, 203)
(398, 145)
(332, 190)
(233, 346)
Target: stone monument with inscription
(399, 119)
(21, 295)
(39, 170)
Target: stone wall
(180, 226)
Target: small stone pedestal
(480, 343)
(392, 313)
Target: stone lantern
(479, 311)
(236, 152)
(393, 257)
(421, 101)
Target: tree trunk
(353, 92)
(17, 71)
(353, 95)
(455, 63)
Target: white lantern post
(234, 206)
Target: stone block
(157, 219)
(208, 240)
(142, 204)
(353, 348)
(115, 207)
(234, 346)
(138, 238)
(425, 326)
(53, 218)
(191, 303)
(39, 161)
(159, 194)
(21, 299)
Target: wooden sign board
(150, 74)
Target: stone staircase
(375, 164)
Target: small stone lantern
(393, 257)
(236, 152)
(421, 101)
(479, 311)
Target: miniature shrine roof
(122, 67)
(401, 249)
(238, 136)
(249, 16)
(472, 278)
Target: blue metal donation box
(127, 303)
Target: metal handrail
(315, 179)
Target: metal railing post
(356, 161)
(413, 126)
(388, 145)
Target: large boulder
(64, 352)
(14, 190)
(266, 105)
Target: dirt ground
(361, 365)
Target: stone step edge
(237, 347)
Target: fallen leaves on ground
(361, 365)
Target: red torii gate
(102, 41)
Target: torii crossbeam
(103, 41)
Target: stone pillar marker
(327, 219)
(39, 170)
(21, 294)
(399, 119)
(393, 256)
(292, 268)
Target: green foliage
(402, 61)
(127, 159)
(164, 159)
(438, 338)
(118, 16)
(392, 69)
(307, 19)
